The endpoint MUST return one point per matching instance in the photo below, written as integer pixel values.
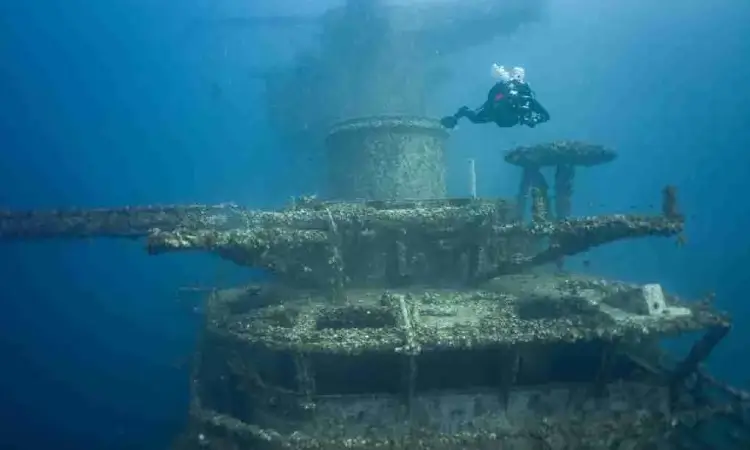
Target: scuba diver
(510, 102)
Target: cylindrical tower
(386, 158)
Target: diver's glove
(534, 115)
(449, 122)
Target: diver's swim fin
(449, 122)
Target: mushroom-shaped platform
(565, 156)
(560, 153)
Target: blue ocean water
(136, 102)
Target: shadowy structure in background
(375, 57)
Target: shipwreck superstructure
(397, 317)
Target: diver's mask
(518, 74)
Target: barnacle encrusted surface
(386, 158)
(138, 221)
(134, 221)
(505, 311)
(468, 241)
(575, 153)
(521, 321)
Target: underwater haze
(140, 102)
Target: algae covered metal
(387, 158)
(397, 318)
(564, 156)
(524, 362)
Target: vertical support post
(510, 374)
(305, 381)
(539, 192)
(472, 179)
(409, 315)
(523, 193)
(396, 264)
(698, 353)
(336, 261)
(304, 370)
(564, 176)
(473, 256)
(406, 308)
(539, 209)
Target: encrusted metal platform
(430, 323)
(525, 362)
(437, 242)
(460, 319)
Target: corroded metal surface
(138, 221)
(368, 243)
(386, 158)
(553, 418)
(421, 323)
(564, 176)
(564, 311)
(631, 429)
(431, 245)
(387, 243)
(526, 357)
(116, 222)
(565, 156)
(573, 153)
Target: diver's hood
(499, 73)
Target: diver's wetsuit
(508, 104)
